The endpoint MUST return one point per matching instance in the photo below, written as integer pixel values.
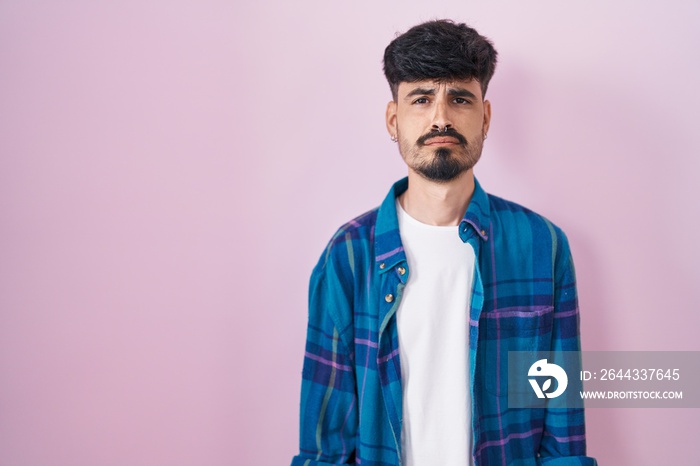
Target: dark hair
(439, 50)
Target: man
(414, 305)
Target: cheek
(410, 131)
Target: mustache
(452, 133)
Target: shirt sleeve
(564, 437)
(328, 412)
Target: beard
(444, 163)
(443, 166)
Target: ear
(487, 116)
(391, 118)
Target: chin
(443, 152)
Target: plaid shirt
(523, 298)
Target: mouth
(441, 140)
(449, 138)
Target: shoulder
(523, 233)
(510, 216)
(359, 228)
(349, 244)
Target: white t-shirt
(433, 329)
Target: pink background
(170, 172)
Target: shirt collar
(387, 240)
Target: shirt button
(402, 271)
(389, 298)
(483, 232)
(382, 265)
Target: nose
(441, 117)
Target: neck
(441, 204)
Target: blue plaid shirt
(523, 299)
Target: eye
(421, 100)
(461, 101)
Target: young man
(414, 305)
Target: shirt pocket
(521, 328)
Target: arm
(328, 414)
(564, 438)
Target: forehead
(472, 85)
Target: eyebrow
(460, 92)
(457, 92)
(421, 91)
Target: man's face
(440, 126)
